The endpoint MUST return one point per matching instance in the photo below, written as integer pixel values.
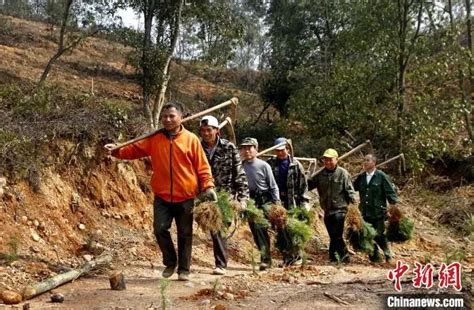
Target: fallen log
(233, 101)
(53, 282)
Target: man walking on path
(335, 193)
(375, 188)
(293, 187)
(180, 172)
(229, 176)
(263, 189)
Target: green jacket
(335, 190)
(374, 196)
(297, 186)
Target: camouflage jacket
(297, 186)
(227, 170)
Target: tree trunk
(160, 98)
(148, 12)
(61, 48)
(467, 92)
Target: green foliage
(362, 240)
(302, 215)
(299, 232)
(256, 215)
(400, 231)
(165, 299)
(225, 207)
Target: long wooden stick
(53, 282)
(360, 146)
(233, 101)
(274, 147)
(385, 162)
(230, 131)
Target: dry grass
(208, 216)
(278, 216)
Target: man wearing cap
(263, 189)
(180, 171)
(229, 176)
(375, 188)
(335, 193)
(293, 187)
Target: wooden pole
(271, 148)
(234, 101)
(230, 131)
(53, 282)
(357, 148)
(401, 156)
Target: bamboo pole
(53, 282)
(233, 101)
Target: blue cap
(279, 141)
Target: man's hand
(211, 194)
(242, 206)
(109, 147)
(306, 206)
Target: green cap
(249, 141)
(330, 153)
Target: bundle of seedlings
(208, 217)
(255, 215)
(303, 215)
(359, 233)
(214, 216)
(400, 228)
(277, 216)
(226, 206)
(293, 239)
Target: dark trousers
(262, 240)
(219, 244)
(182, 213)
(259, 232)
(380, 239)
(335, 226)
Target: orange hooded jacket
(180, 166)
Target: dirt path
(293, 288)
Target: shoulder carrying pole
(234, 101)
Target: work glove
(211, 194)
(306, 206)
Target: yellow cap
(330, 153)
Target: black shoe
(346, 259)
(168, 272)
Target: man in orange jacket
(180, 172)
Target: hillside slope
(78, 203)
